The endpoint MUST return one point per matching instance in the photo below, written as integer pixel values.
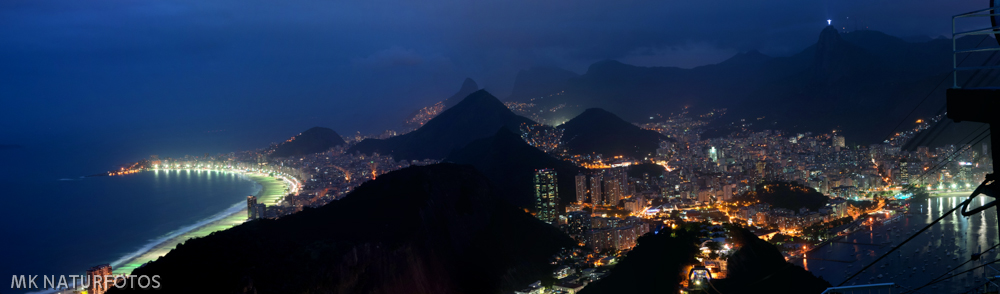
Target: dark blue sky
(227, 74)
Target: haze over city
(257, 70)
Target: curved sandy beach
(272, 190)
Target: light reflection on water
(933, 253)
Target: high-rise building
(611, 190)
(617, 235)
(251, 207)
(904, 172)
(838, 141)
(546, 195)
(581, 188)
(260, 210)
(578, 222)
(596, 193)
(615, 185)
(98, 286)
(761, 171)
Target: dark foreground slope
(655, 265)
(314, 140)
(478, 116)
(758, 267)
(431, 229)
(599, 131)
(510, 163)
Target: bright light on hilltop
(828, 22)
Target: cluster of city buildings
(700, 181)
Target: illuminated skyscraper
(838, 141)
(596, 194)
(251, 207)
(904, 172)
(581, 188)
(546, 195)
(615, 185)
(100, 286)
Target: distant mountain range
(314, 140)
(477, 116)
(537, 82)
(861, 83)
(510, 163)
(429, 229)
(597, 131)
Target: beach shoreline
(272, 190)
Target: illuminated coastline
(273, 189)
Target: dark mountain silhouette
(758, 267)
(314, 140)
(468, 87)
(655, 265)
(478, 116)
(510, 163)
(648, 168)
(429, 229)
(861, 83)
(786, 195)
(598, 131)
(539, 82)
(420, 116)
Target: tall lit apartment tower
(713, 154)
(251, 207)
(904, 172)
(610, 190)
(581, 188)
(761, 168)
(615, 185)
(596, 194)
(838, 141)
(546, 195)
(100, 287)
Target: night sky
(225, 74)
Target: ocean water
(934, 252)
(56, 222)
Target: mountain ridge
(825, 86)
(477, 116)
(602, 132)
(313, 140)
